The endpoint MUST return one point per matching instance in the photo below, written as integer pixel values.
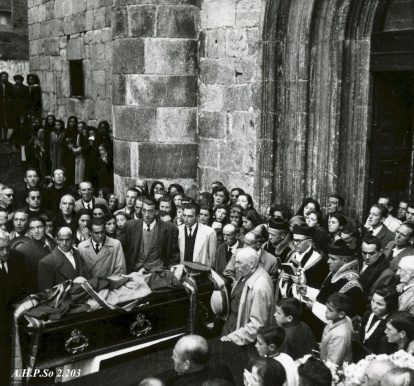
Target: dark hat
(18, 76)
(303, 230)
(339, 250)
(195, 268)
(278, 224)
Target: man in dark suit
(375, 271)
(376, 227)
(31, 180)
(64, 263)
(34, 203)
(226, 249)
(401, 245)
(15, 285)
(37, 247)
(148, 242)
(53, 195)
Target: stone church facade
(274, 96)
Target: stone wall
(63, 30)
(154, 82)
(229, 101)
(14, 44)
(13, 67)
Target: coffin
(89, 334)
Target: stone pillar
(154, 56)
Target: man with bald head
(401, 245)
(251, 299)
(398, 377)
(227, 249)
(66, 215)
(64, 263)
(87, 199)
(376, 370)
(406, 273)
(191, 357)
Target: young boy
(269, 341)
(288, 312)
(121, 218)
(336, 344)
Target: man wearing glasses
(7, 202)
(406, 273)
(309, 266)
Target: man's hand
(285, 277)
(295, 278)
(226, 339)
(400, 287)
(303, 289)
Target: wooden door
(392, 135)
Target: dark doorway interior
(391, 146)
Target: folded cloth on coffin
(69, 298)
(134, 288)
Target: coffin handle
(141, 326)
(76, 343)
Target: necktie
(189, 232)
(97, 248)
(46, 247)
(148, 228)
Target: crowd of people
(299, 284)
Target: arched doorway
(316, 101)
(392, 68)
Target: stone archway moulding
(316, 100)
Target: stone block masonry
(155, 91)
(230, 75)
(64, 30)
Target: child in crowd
(121, 218)
(269, 342)
(336, 344)
(288, 312)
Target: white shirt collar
(193, 228)
(145, 226)
(69, 256)
(234, 247)
(376, 230)
(101, 244)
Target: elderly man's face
(67, 205)
(405, 274)
(7, 196)
(4, 249)
(138, 208)
(243, 266)
(85, 190)
(65, 240)
(229, 236)
(20, 222)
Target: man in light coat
(87, 200)
(103, 256)
(406, 288)
(197, 242)
(251, 299)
